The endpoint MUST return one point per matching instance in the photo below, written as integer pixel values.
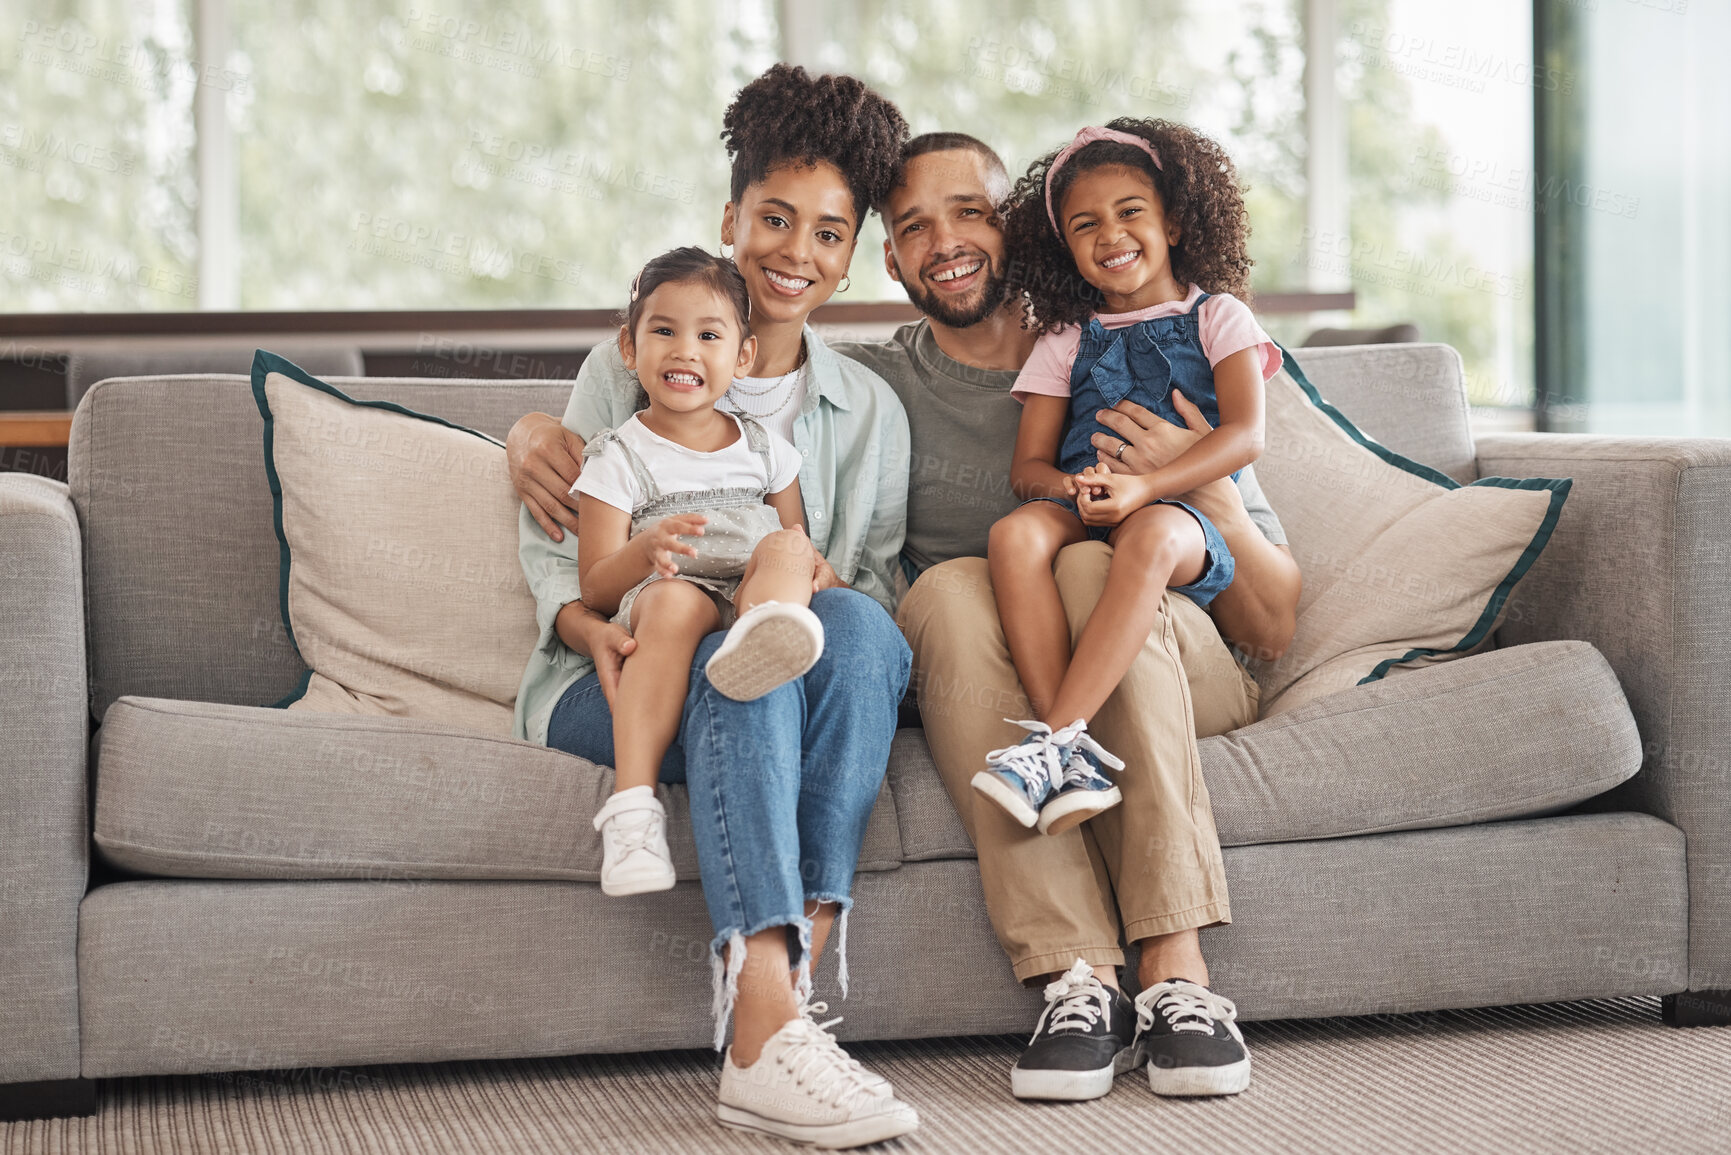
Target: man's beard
(959, 314)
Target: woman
(777, 845)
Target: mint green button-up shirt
(852, 436)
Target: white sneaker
(804, 1087)
(634, 855)
(770, 645)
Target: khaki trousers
(1148, 866)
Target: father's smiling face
(945, 243)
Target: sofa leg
(53, 1099)
(1697, 1009)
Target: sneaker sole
(637, 886)
(1181, 1082)
(993, 787)
(1075, 808)
(831, 1136)
(1070, 1086)
(772, 654)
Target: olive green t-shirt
(963, 422)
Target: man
(1150, 869)
(1051, 899)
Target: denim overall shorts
(1144, 362)
(738, 520)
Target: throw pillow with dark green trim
(400, 585)
(1402, 565)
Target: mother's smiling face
(793, 235)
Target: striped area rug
(1602, 1076)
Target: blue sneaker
(1021, 777)
(1083, 790)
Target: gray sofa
(1548, 820)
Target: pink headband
(1083, 139)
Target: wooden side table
(39, 428)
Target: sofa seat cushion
(930, 827)
(1506, 734)
(1511, 733)
(204, 790)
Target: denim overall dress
(738, 520)
(1144, 362)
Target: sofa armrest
(1640, 566)
(44, 735)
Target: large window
(391, 154)
(97, 174)
(1636, 237)
(1439, 102)
(1028, 77)
(362, 154)
(476, 155)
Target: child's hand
(1082, 487)
(661, 541)
(610, 645)
(1107, 498)
(823, 575)
(1078, 487)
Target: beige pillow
(1402, 565)
(400, 582)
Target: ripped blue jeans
(781, 788)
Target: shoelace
(1037, 764)
(1186, 1007)
(627, 840)
(1076, 736)
(1075, 1001)
(1078, 772)
(809, 1011)
(815, 1058)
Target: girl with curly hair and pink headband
(1130, 246)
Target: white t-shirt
(608, 475)
(774, 401)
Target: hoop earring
(846, 284)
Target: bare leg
(1019, 553)
(1165, 956)
(766, 1000)
(668, 619)
(822, 917)
(779, 571)
(1155, 547)
(1172, 956)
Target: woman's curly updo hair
(1199, 192)
(788, 116)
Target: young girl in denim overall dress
(1113, 239)
(690, 520)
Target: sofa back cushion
(86, 368)
(1411, 398)
(1401, 563)
(398, 533)
(181, 560)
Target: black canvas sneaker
(1188, 1037)
(1085, 1038)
